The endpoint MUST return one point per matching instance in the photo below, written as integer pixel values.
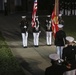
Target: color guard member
(48, 31)
(24, 31)
(36, 32)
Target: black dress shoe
(36, 46)
(48, 45)
(25, 47)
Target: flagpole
(57, 7)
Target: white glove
(25, 27)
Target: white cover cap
(23, 16)
(60, 25)
(70, 39)
(54, 56)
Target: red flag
(54, 18)
(34, 13)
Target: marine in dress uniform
(58, 67)
(36, 32)
(24, 31)
(69, 55)
(48, 31)
(60, 40)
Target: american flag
(34, 13)
(54, 18)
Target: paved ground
(33, 60)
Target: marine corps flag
(54, 17)
(34, 13)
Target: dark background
(44, 6)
